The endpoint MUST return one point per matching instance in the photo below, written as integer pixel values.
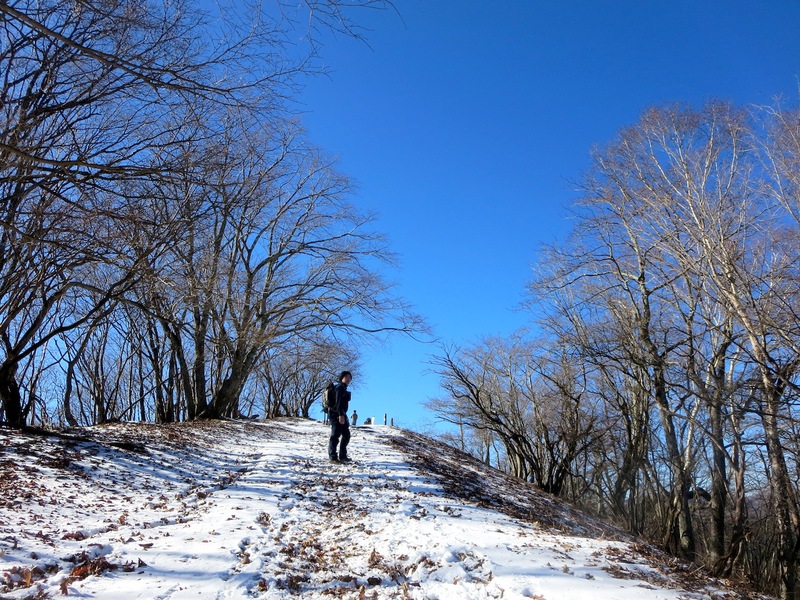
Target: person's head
(346, 377)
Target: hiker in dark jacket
(340, 426)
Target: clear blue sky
(464, 122)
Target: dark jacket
(341, 399)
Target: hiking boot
(345, 460)
(333, 459)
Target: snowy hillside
(255, 510)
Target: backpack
(329, 397)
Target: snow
(229, 510)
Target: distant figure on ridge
(354, 418)
(340, 427)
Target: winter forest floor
(226, 510)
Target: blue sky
(465, 122)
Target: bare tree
(86, 91)
(96, 98)
(272, 252)
(749, 268)
(680, 280)
(617, 256)
(293, 375)
(533, 404)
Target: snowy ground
(254, 510)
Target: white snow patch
(234, 510)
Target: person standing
(354, 418)
(340, 426)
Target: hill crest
(243, 510)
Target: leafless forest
(170, 239)
(661, 387)
(172, 247)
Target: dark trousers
(338, 431)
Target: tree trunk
(783, 494)
(67, 404)
(682, 530)
(732, 558)
(10, 394)
(226, 399)
(225, 402)
(719, 485)
(197, 401)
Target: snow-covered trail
(234, 510)
(290, 522)
(369, 526)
